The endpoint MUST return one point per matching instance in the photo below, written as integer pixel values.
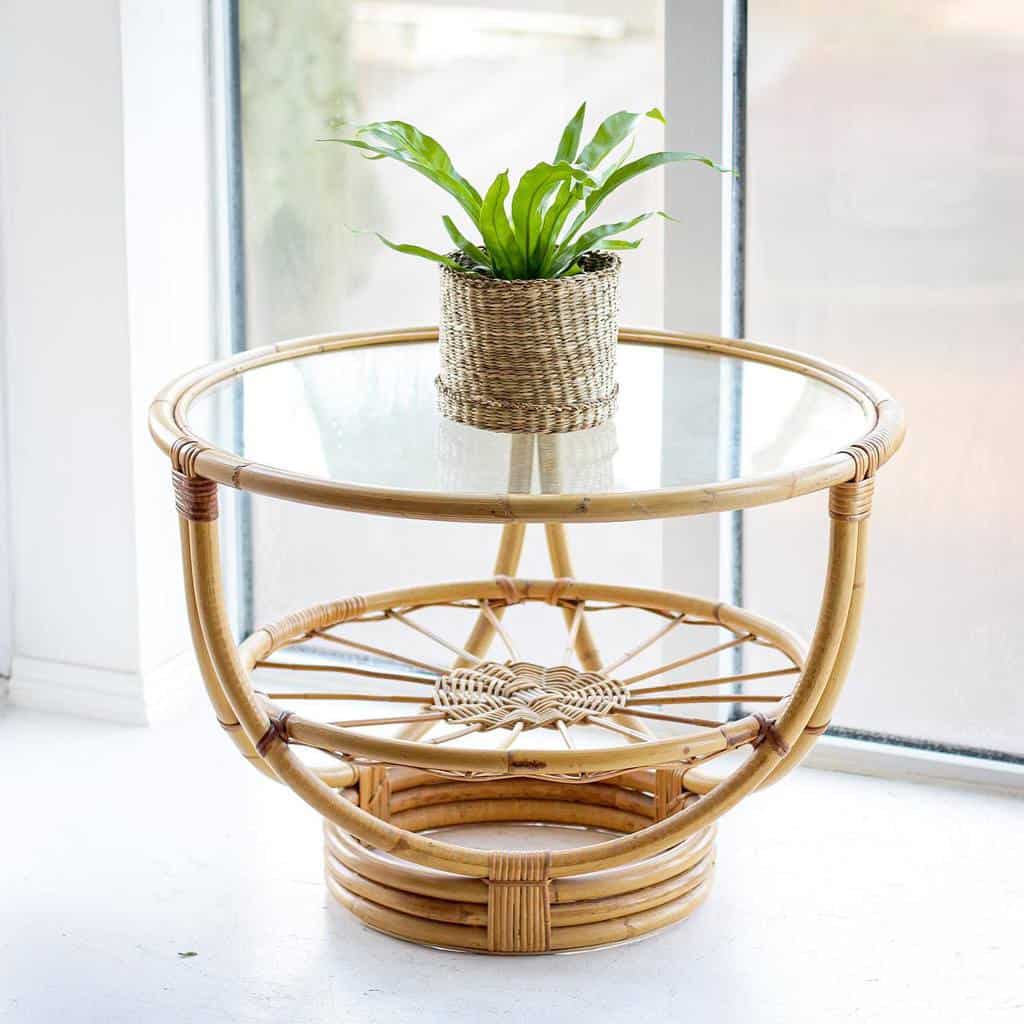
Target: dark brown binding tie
(766, 731)
(817, 730)
(195, 497)
(276, 731)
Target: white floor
(837, 899)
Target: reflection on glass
(580, 461)
(369, 416)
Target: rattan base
(597, 908)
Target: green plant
(540, 234)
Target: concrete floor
(838, 898)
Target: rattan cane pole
(819, 721)
(221, 706)
(557, 539)
(506, 563)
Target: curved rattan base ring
(587, 910)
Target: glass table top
(368, 416)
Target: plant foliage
(535, 230)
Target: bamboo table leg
(849, 505)
(586, 647)
(506, 562)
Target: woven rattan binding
(299, 623)
(519, 903)
(530, 356)
(509, 591)
(852, 501)
(276, 732)
(184, 453)
(767, 733)
(195, 498)
(375, 790)
(669, 792)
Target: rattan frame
(355, 798)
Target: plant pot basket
(530, 356)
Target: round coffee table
(445, 715)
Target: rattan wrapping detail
(519, 903)
(561, 585)
(669, 792)
(872, 452)
(768, 733)
(817, 730)
(277, 732)
(852, 501)
(195, 498)
(184, 452)
(530, 356)
(375, 790)
(509, 591)
(299, 623)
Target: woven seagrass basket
(530, 356)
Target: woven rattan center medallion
(520, 693)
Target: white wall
(105, 228)
(66, 304)
(170, 270)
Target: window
(874, 237)
(302, 270)
(884, 230)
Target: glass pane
(480, 76)
(886, 153)
(369, 416)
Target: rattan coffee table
(429, 707)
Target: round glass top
(366, 418)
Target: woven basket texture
(530, 356)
